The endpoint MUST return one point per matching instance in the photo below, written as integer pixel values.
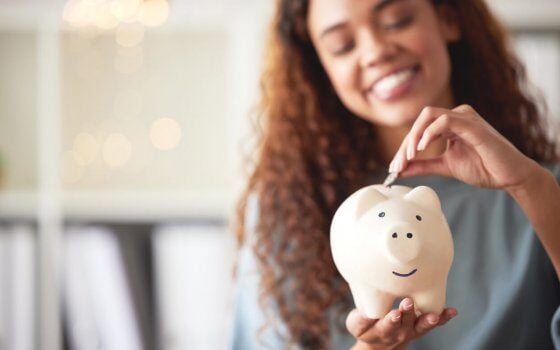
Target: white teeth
(388, 83)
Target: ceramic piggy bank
(393, 242)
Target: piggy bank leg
(431, 300)
(371, 302)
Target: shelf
(122, 206)
(144, 206)
(21, 205)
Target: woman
(429, 89)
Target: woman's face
(387, 59)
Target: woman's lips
(405, 274)
(395, 85)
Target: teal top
(501, 280)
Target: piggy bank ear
(367, 198)
(424, 197)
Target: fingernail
(408, 304)
(408, 152)
(421, 144)
(400, 164)
(392, 166)
(453, 313)
(433, 319)
(396, 317)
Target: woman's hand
(476, 153)
(396, 329)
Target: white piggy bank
(390, 242)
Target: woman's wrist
(538, 179)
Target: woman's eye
(398, 24)
(343, 49)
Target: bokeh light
(108, 14)
(86, 148)
(165, 133)
(153, 13)
(125, 10)
(79, 13)
(104, 19)
(117, 150)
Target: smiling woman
(433, 90)
(385, 60)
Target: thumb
(433, 166)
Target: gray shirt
(501, 281)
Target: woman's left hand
(476, 153)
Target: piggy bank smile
(405, 274)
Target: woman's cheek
(433, 54)
(345, 79)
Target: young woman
(428, 88)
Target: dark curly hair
(313, 152)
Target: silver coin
(392, 177)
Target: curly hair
(313, 152)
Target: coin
(392, 177)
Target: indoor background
(123, 129)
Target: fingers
(434, 123)
(398, 326)
(373, 330)
(426, 117)
(446, 315)
(447, 125)
(426, 323)
(398, 160)
(429, 321)
(390, 324)
(407, 150)
(435, 166)
(465, 109)
(357, 325)
(407, 308)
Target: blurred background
(123, 127)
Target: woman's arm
(539, 198)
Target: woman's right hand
(396, 329)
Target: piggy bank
(393, 242)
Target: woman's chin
(394, 117)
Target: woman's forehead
(324, 14)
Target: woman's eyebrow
(378, 7)
(332, 28)
(382, 4)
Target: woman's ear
(449, 25)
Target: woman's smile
(395, 85)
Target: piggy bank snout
(402, 243)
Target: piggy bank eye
(382, 214)
(418, 217)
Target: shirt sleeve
(555, 325)
(248, 315)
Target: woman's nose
(375, 49)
